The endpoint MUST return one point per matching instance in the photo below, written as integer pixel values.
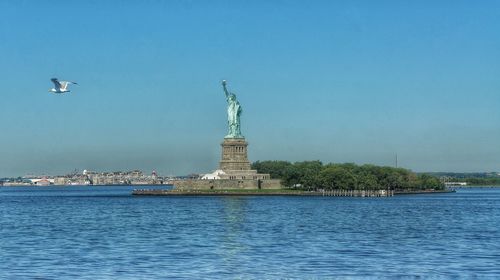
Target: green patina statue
(234, 111)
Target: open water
(105, 233)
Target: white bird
(60, 86)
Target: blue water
(104, 232)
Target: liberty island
(235, 175)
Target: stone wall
(227, 184)
(244, 175)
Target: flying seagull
(60, 86)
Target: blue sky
(338, 81)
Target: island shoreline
(336, 193)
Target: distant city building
(88, 177)
(42, 182)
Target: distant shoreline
(114, 185)
(171, 185)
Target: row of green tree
(311, 175)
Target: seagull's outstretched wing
(57, 84)
(64, 84)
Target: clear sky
(338, 81)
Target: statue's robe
(233, 117)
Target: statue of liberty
(234, 111)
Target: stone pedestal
(235, 163)
(237, 172)
(234, 154)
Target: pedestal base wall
(269, 184)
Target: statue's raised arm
(224, 83)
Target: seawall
(227, 184)
(269, 192)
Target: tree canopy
(316, 175)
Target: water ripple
(104, 233)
